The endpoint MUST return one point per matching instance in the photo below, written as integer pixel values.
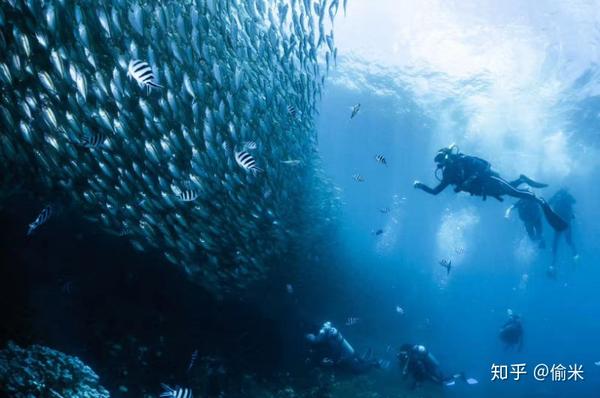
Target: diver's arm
(315, 339)
(433, 191)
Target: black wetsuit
(329, 348)
(562, 202)
(421, 365)
(511, 332)
(475, 176)
(531, 215)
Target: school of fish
(173, 123)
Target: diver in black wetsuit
(475, 176)
(330, 348)
(511, 333)
(562, 202)
(531, 215)
(418, 362)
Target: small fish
(142, 73)
(188, 194)
(178, 392)
(378, 232)
(381, 159)
(384, 363)
(327, 361)
(352, 321)
(446, 264)
(399, 310)
(246, 161)
(192, 360)
(358, 178)
(459, 250)
(355, 110)
(66, 287)
(597, 363)
(44, 215)
(292, 111)
(250, 145)
(384, 210)
(289, 288)
(93, 140)
(291, 162)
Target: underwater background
(513, 82)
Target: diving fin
(531, 183)
(554, 219)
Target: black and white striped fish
(292, 111)
(187, 194)
(358, 178)
(246, 161)
(177, 392)
(192, 360)
(381, 159)
(93, 140)
(355, 110)
(250, 145)
(44, 215)
(142, 73)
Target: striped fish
(246, 161)
(44, 215)
(292, 111)
(192, 360)
(142, 73)
(93, 140)
(381, 159)
(177, 392)
(358, 178)
(188, 194)
(250, 145)
(355, 110)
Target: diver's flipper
(533, 184)
(554, 219)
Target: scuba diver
(562, 201)
(511, 333)
(475, 176)
(417, 361)
(330, 348)
(216, 378)
(531, 215)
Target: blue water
(410, 109)
(514, 82)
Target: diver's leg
(569, 239)
(555, 246)
(506, 189)
(503, 187)
(539, 234)
(523, 179)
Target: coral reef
(40, 372)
